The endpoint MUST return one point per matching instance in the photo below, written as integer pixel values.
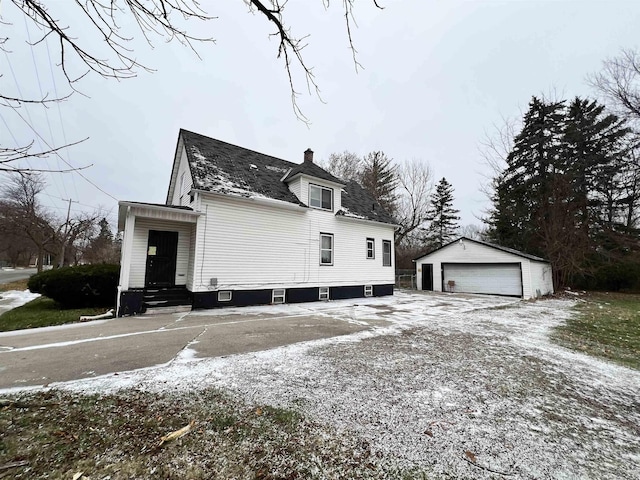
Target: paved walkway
(69, 352)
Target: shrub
(79, 287)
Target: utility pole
(66, 232)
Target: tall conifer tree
(443, 217)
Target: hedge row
(79, 287)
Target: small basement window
(323, 293)
(278, 295)
(224, 296)
(368, 290)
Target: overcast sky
(437, 76)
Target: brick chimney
(308, 156)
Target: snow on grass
(438, 380)
(15, 298)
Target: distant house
(240, 228)
(472, 266)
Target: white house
(472, 266)
(240, 227)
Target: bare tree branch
(619, 83)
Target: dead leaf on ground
(470, 456)
(177, 434)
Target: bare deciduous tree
(110, 29)
(346, 166)
(619, 83)
(415, 182)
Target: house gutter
(269, 202)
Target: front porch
(157, 256)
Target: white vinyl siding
(247, 245)
(183, 183)
(541, 279)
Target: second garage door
(493, 279)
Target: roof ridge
(236, 146)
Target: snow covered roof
(221, 167)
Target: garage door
(494, 279)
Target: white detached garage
(472, 266)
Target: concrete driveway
(69, 352)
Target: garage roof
(487, 244)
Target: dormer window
(321, 197)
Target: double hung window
(320, 197)
(371, 248)
(326, 249)
(386, 253)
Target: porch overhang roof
(157, 211)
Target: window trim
(368, 290)
(373, 248)
(322, 188)
(330, 235)
(323, 293)
(221, 294)
(275, 293)
(384, 264)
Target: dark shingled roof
(357, 202)
(313, 170)
(487, 244)
(221, 167)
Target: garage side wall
(471, 252)
(541, 279)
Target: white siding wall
(296, 188)
(471, 252)
(139, 249)
(541, 278)
(247, 246)
(181, 195)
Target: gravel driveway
(458, 386)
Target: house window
(326, 249)
(224, 296)
(386, 253)
(368, 290)
(324, 293)
(371, 249)
(278, 295)
(320, 197)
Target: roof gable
(486, 244)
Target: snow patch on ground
(15, 298)
(435, 377)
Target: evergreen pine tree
(379, 179)
(442, 215)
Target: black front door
(427, 276)
(161, 259)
